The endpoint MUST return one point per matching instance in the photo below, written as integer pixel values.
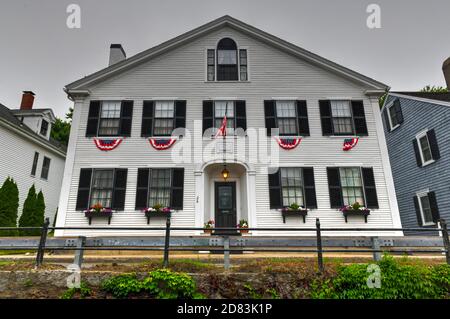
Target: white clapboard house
(327, 138)
(29, 155)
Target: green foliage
(83, 291)
(397, 282)
(160, 284)
(27, 219)
(434, 89)
(122, 286)
(61, 131)
(9, 204)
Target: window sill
(428, 163)
(227, 81)
(395, 127)
(342, 136)
(431, 224)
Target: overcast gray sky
(39, 53)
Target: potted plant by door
(97, 210)
(243, 226)
(157, 210)
(207, 227)
(355, 210)
(294, 210)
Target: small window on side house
(45, 168)
(425, 209)
(395, 115)
(35, 163)
(425, 149)
(44, 127)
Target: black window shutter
(142, 188)
(398, 111)
(126, 115)
(369, 187)
(180, 114)
(325, 117)
(275, 196)
(386, 119)
(84, 188)
(434, 207)
(120, 187)
(176, 200)
(241, 115)
(147, 118)
(207, 115)
(334, 185)
(418, 214)
(302, 117)
(431, 134)
(93, 118)
(269, 113)
(359, 118)
(310, 188)
(417, 152)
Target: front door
(225, 205)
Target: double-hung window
(160, 187)
(44, 127)
(211, 65)
(164, 118)
(35, 163)
(292, 186)
(425, 209)
(102, 187)
(109, 124)
(45, 168)
(425, 149)
(352, 185)
(395, 115)
(287, 117)
(222, 108)
(341, 117)
(243, 65)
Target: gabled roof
(7, 116)
(427, 95)
(214, 25)
(34, 112)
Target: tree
(40, 210)
(434, 89)
(27, 218)
(9, 204)
(61, 128)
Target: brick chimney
(27, 100)
(116, 54)
(446, 69)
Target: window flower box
(294, 210)
(98, 211)
(157, 211)
(207, 227)
(355, 210)
(242, 226)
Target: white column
(199, 200)
(68, 168)
(251, 200)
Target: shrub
(9, 204)
(84, 291)
(161, 284)
(122, 286)
(397, 282)
(32, 213)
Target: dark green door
(225, 199)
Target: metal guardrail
(230, 242)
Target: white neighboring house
(29, 155)
(261, 82)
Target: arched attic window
(227, 60)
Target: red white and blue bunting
(288, 143)
(162, 143)
(350, 143)
(107, 144)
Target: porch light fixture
(225, 173)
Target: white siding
(16, 161)
(181, 73)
